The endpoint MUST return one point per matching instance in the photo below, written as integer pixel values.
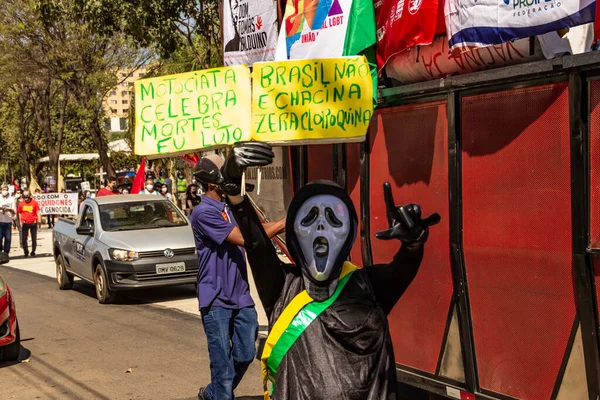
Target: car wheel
(12, 351)
(63, 278)
(103, 293)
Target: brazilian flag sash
(292, 322)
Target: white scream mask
(322, 226)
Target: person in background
(169, 182)
(125, 191)
(149, 188)
(181, 191)
(192, 198)
(110, 188)
(30, 214)
(160, 180)
(81, 199)
(7, 214)
(16, 220)
(164, 191)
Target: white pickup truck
(125, 242)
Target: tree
(167, 25)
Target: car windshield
(140, 215)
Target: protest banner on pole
(310, 101)
(249, 31)
(57, 203)
(190, 111)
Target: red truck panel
(595, 164)
(410, 150)
(517, 236)
(353, 183)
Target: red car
(10, 341)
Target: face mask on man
(193, 180)
(27, 198)
(164, 190)
(194, 191)
(125, 191)
(18, 196)
(149, 187)
(5, 193)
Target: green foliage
(166, 25)
(60, 58)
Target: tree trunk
(23, 141)
(102, 147)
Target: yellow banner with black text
(296, 101)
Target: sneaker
(202, 394)
(32, 254)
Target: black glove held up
(243, 155)
(405, 222)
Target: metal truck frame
(569, 87)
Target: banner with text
(313, 29)
(249, 31)
(325, 100)
(478, 23)
(436, 61)
(190, 111)
(57, 203)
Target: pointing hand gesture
(405, 222)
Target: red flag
(597, 23)
(191, 159)
(140, 178)
(402, 24)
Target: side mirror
(85, 230)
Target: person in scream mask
(328, 331)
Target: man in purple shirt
(227, 309)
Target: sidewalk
(182, 298)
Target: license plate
(170, 268)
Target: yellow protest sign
(324, 100)
(194, 110)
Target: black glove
(405, 222)
(243, 155)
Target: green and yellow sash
(292, 322)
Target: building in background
(119, 100)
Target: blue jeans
(231, 337)
(5, 236)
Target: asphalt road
(75, 348)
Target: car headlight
(123, 255)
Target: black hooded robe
(346, 352)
